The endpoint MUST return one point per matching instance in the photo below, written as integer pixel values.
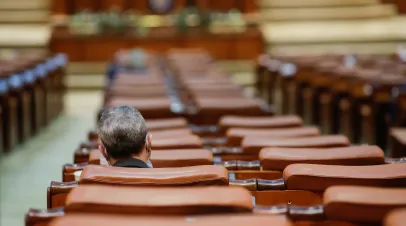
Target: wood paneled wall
(72, 6)
(401, 4)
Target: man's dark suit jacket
(131, 163)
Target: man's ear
(149, 142)
(103, 150)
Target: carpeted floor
(26, 172)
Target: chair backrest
(235, 135)
(362, 204)
(161, 201)
(280, 158)
(255, 144)
(168, 123)
(170, 133)
(181, 158)
(178, 176)
(159, 107)
(187, 141)
(260, 121)
(312, 177)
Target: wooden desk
(96, 48)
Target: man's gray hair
(122, 130)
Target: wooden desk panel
(102, 49)
(72, 47)
(155, 46)
(401, 6)
(60, 7)
(247, 45)
(218, 48)
(80, 5)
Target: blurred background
(235, 32)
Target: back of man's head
(122, 131)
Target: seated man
(124, 137)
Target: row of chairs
(356, 95)
(31, 94)
(223, 159)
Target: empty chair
(177, 176)
(302, 183)
(341, 204)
